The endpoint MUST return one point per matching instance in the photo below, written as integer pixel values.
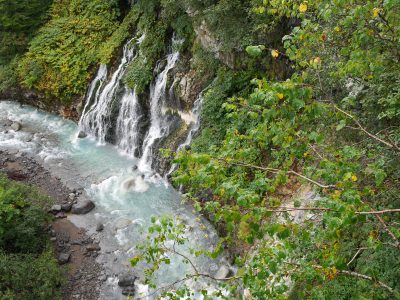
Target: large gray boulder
(82, 207)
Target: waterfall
(159, 126)
(96, 120)
(128, 124)
(94, 88)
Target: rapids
(125, 198)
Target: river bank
(84, 275)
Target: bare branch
(275, 171)
(378, 212)
(362, 128)
(397, 243)
(362, 276)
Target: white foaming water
(128, 124)
(159, 126)
(124, 209)
(94, 90)
(96, 120)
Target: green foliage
(22, 218)
(287, 133)
(108, 49)
(29, 276)
(28, 269)
(60, 58)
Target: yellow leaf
(317, 60)
(303, 8)
(280, 96)
(274, 53)
(354, 178)
(376, 11)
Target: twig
(358, 275)
(397, 243)
(355, 255)
(378, 212)
(390, 145)
(275, 171)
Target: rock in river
(126, 280)
(82, 134)
(16, 126)
(82, 207)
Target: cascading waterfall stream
(128, 124)
(96, 120)
(159, 126)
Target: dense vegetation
(28, 269)
(305, 97)
(331, 126)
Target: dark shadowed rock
(128, 291)
(82, 134)
(99, 227)
(66, 207)
(126, 280)
(83, 206)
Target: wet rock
(82, 207)
(16, 126)
(126, 280)
(64, 258)
(128, 291)
(66, 207)
(99, 227)
(82, 134)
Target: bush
(29, 276)
(22, 218)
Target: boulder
(16, 126)
(55, 208)
(82, 134)
(126, 280)
(71, 196)
(63, 258)
(83, 206)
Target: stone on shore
(63, 258)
